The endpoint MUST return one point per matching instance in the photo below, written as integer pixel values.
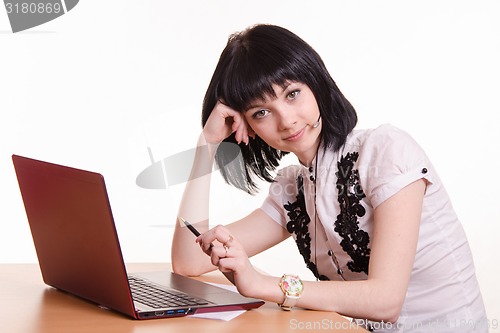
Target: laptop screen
(73, 232)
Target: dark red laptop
(78, 249)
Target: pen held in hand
(193, 230)
(228, 275)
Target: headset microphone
(316, 124)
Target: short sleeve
(389, 160)
(281, 191)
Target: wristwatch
(292, 287)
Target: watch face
(292, 285)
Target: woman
(366, 208)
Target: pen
(228, 275)
(193, 229)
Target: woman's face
(286, 122)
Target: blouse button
(424, 170)
(311, 178)
(330, 253)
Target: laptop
(79, 252)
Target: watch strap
(289, 302)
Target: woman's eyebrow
(258, 103)
(251, 106)
(284, 87)
(255, 104)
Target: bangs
(249, 83)
(251, 73)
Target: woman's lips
(296, 136)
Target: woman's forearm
(187, 258)
(367, 299)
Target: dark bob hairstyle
(252, 61)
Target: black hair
(252, 61)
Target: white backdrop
(96, 87)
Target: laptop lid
(77, 244)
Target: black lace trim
(298, 224)
(354, 240)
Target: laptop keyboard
(155, 297)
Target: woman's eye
(260, 114)
(293, 94)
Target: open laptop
(78, 249)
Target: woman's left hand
(230, 257)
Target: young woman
(366, 208)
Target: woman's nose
(287, 119)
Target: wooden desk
(27, 305)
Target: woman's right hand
(222, 122)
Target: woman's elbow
(388, 310)
(185, 270)
(191, 267)
(391, 316)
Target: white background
(94, 88)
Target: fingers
(224, 257)
(229, 256)
(217, 234)
(241, 128)
(223, 121)
(225, 251)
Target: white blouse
(328, 209)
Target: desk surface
(28, 305)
